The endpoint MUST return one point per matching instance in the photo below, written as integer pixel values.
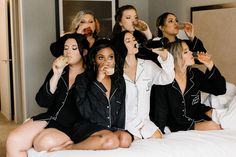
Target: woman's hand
(189, 30)
(59, 64)
(143, 27)
(101, 73)
(84, 30)
(205, 58)
(163, 53)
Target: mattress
(218, 143)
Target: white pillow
(231, 89)
(226, 117)
(222, 101)
(225, 106)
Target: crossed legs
(33, 133)
(101, 140)
(21, 139)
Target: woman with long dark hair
(139, 76)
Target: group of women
(98, 91)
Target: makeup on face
(106, 58)
(129, 18)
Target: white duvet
(225, 107)
(221, 143)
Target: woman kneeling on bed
(178, 105)
(101, 101)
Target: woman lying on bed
(178, 105)
(53, 128)
(101, 101)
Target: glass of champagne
(139, 25)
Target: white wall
(179, 7)
(38, 31)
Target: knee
(215, 126)
(110, 141)
(43, 142)
(125, 140)
(15, 144)
(13, 139)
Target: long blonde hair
(78, 18)
(176, 49)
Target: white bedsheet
(221, 143)
(226, 116)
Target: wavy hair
(78, 18)
(119, 13)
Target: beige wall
(182, 9)
(220, 38)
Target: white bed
(221, 143)
(180, 144)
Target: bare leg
(50, 138)
(21, 139)
(157, 134)
(101, 140)
(207, 125)
(209, 113)
(125, 139)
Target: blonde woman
(87, 24)
(178, 105)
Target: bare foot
(157, 134)
(63, 146)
